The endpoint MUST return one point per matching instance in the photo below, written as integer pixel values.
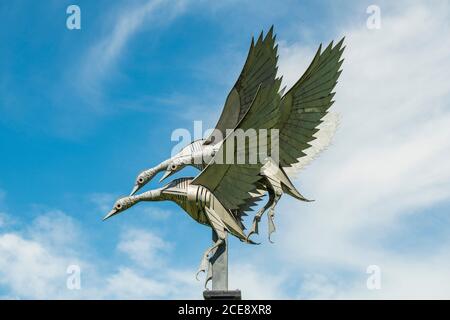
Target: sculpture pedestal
(222, 295)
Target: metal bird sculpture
(305, 127)
(259, 70)
(289, 130)
(200, 204)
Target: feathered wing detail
(297, 115)
(305, 105)
(235, 184)
(255, 197)
(259, 70)
(323, 138)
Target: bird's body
(200, 204)
(274, 180)
(197, 200)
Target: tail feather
(292, 191)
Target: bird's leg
(219, 228)
(271, 213)
(260, 212)
(205, 264)
(209, 275)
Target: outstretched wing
(306, 103)
(323, 139)
(297, 116)
(255, 197)
(236, 183)
(260, 69)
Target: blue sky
(83, 111)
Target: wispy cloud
(388, 163)
(34, 261)
(143, 247)
(105, 52)
(101, 59)
(103, 201)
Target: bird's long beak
(167, 174)
(110, 214)
(135, 189)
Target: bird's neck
(152, 195)
(163, 165)
(132, 200)
(159, 168)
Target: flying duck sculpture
(288, 128)
(305, 127)
(200, 204)
(223, 214)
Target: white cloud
(103, 201)
(388, 160)
(316, 286)
(143, 247)
(256, 283)
(101, 59)
(110, 47)
(34, 261)
(156, 213)
(56, 229)
(27, 268)
(127, 284)
(173, 284)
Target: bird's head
(127, 202)
(142, 179)
(120, 206)
(173, 167)
(147, 175)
